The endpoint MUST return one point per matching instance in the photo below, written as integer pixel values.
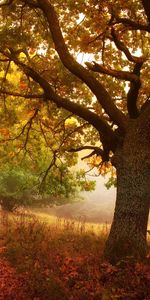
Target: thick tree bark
(127, 237)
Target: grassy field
(63, 259)
(77, 225)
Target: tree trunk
(127, 236)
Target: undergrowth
(64, 260)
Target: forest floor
(12, 285)
(63, 260)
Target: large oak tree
(108, 94)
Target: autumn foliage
(64, 261)
(11, 285)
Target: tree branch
(132, 24)
(128, 76)
(99, 151)
(26, 96)
(75, 68)
(52, 163)
(96, 150)
(146, 5)
(49, 94)
(29, 128)
(88, 155)
(32, 3)
(133, 93)
(76, 130)
(122, 47)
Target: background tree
(24, 186)
(108, 95)
(33, 170)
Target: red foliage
(62, 265)
(12, 286)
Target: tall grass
(63, 260)
(52, 252)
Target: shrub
(20, 186)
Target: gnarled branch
(75, 68)
(128, 76)
(26, 96)
(133, 93)
(132, 25)
(50, 95)
(146, 5)
(96, 150)
(122, 47)
(52, 164)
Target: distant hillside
(96, 206)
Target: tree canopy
(72, 70)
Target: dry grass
(63, 259)
(53, 252)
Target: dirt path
(12, 286)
